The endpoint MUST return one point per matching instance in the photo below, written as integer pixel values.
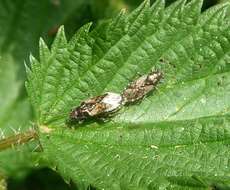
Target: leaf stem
(18, 139)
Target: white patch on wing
(112, 100)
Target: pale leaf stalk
(18, 139)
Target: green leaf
(23, 22)
(14, 111)
(178, 136)
(15, 114)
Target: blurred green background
(22, 23)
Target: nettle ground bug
(96, 107)
(140, 87)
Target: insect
(95, 107)
(140, 87)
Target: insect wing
(94, 100)
(140, 87)
(113, 101)
(98, 108)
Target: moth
(96, 107)
(140, 87)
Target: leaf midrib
(165, 146)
